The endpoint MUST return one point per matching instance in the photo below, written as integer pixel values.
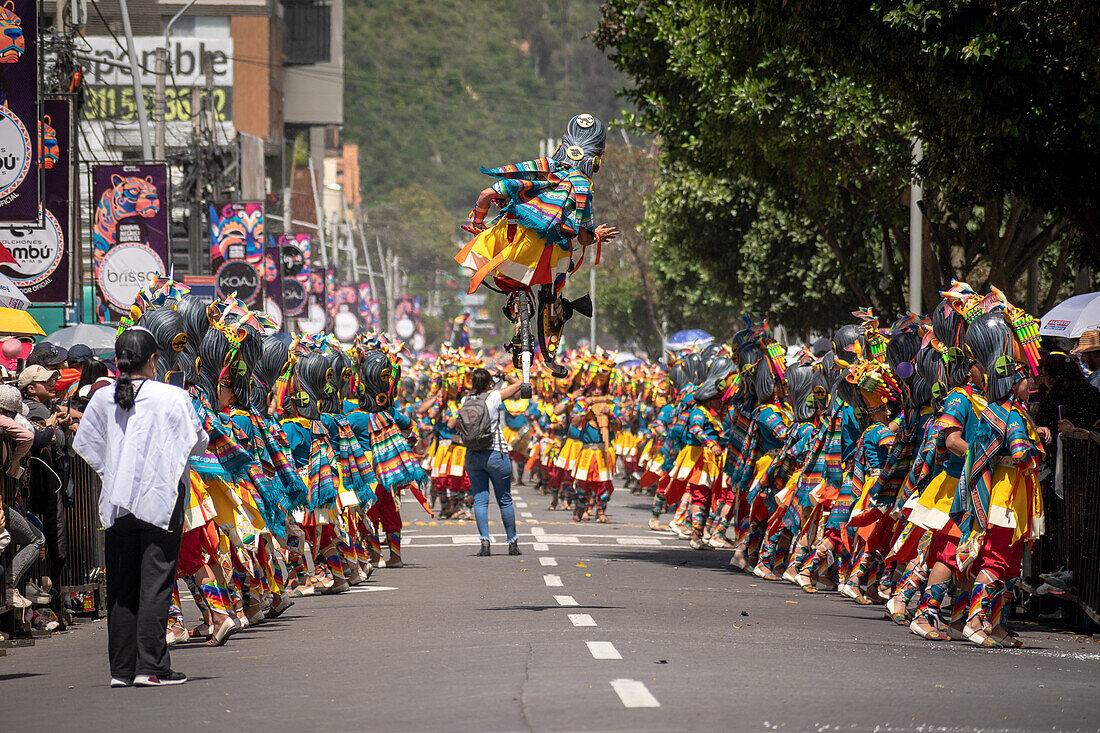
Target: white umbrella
(93, 335)
(11, 296)
(1072, 317)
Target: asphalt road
(596, 627)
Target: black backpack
(475, 429)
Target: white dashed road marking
(526, 515)
(603, 650)
(472, 539)
(552, 581)
(537, 531)
(634, 694)
(566, 601)
(639, 541)
(549, 562)
(540, 547)
(581, 619)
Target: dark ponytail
(133, 349)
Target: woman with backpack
(478, 426)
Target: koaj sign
(240, 277)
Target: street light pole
(916, 232)
(135, 75)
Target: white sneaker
(149, 680)
(15, 599)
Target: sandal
(901, 618)
(932, 634)
(852, 592)
(988, 642)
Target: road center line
(552, 581)
(548, 562)
(566, 601)
(581, 619)
(634, 694)
(603, 650)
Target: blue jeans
(482, 467)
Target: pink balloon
(11, 348)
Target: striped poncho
(547, 196)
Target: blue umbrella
(632, 363)
(687, 339)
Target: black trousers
(141, 570)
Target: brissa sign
(124, 270)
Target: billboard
(36, 258)
(237, 249)
(109, 91)
(20, 197)
(129, 232)
(273, 284)
(295, 252)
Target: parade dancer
(998, 504)
(393, 462)
(543, 231)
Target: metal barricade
(81, 577)
(1072, 540)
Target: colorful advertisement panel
(129, 233)
(36, 258)
(20, 197)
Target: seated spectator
(1089, 350)
(18, 437)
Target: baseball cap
(36, 373)
(48, 354)
(11, 400)
(80, 353)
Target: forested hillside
(438, 88)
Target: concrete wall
(314, 93)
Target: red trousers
(385, 510)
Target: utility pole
(320, 213)
(135, 72)
(161, 108)
(592, 292)
(916, 233)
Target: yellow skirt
(200, 507)
(567, 456)
(696, 465)
(236, 512)
(1016, 503)
(593, 464)
(527, 258)
(930, 510)
(450, 460)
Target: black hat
(47, 354)
(80, 353)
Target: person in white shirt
(138, 434)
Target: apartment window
(198, 26)
(307, 32)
